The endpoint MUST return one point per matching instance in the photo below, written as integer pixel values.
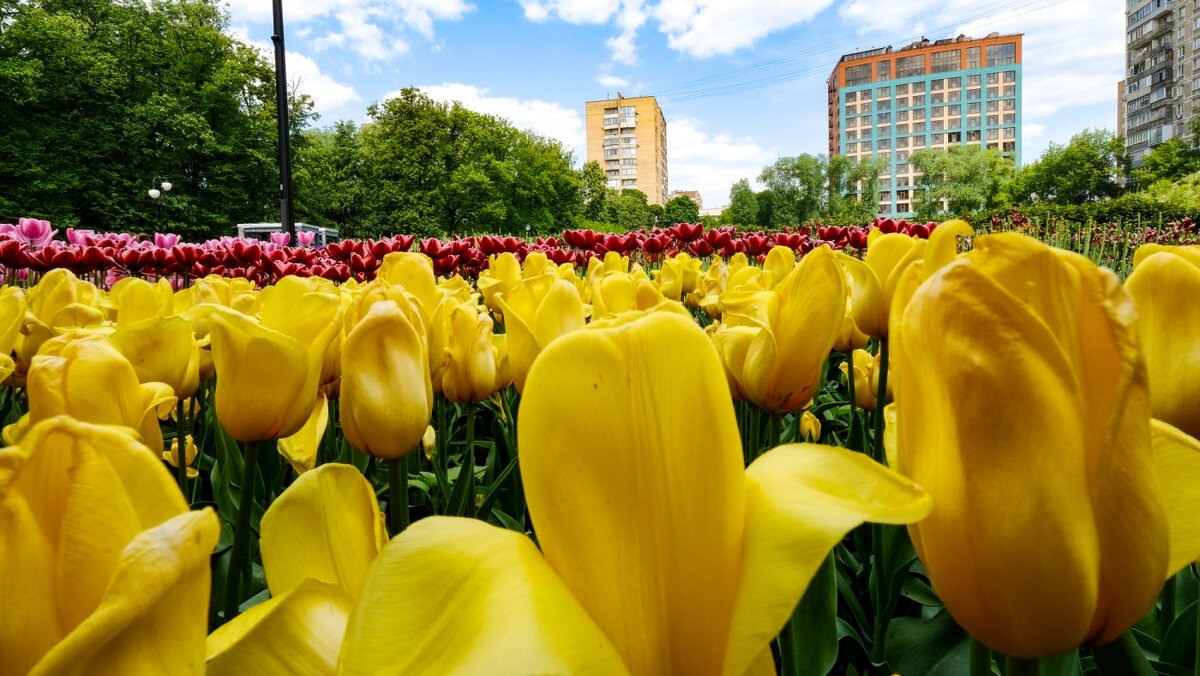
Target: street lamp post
(155, 194)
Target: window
(628, 182)
(902, 102)
(918, 114)
(610, 152)
(884, 131)
(993, 134)
(993, 92)
(918, 127)
(883, 105)
(611, 164)
(1010, 146)
(937, 98)
(918, 100)
(954, 123)
(993, 120)
(851, 97)
(883, 92)
(883, 118)
(629, 162)
(953, 82)
(954, 111)
(883, 144)
(973, 108)
(901, 155)
(883, 71)
(1010, 76)
(865, 95)
(908, 66)
(902, 182)
(993, 106)
(955, 95)
(1010, 118)
(947, 60)
(973, 136)
(938, 125)
(918, 142)
(902, 129)
(1010, 90)
(902, 90)
(630, 171)
(974, 80)
(864, 107)
(902, 207)
(885, 196)
(937, 139)
(955, 137)
(902, 116)
(901, 194)
(972, 57)
(628, 140)
(973, 121)
(1002, 54)
(857, 75)
(937, 85)
(918, 87)
(851, 135)
(1010, 132)
(901, 142)
(628, 110)
(629, 151)
(993, 78)
(1010, 104)
(974, 94)
(938, 111)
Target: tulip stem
(981, 658)
(1122, 657)
(774, 430)
(1020, 666)
(181, 448)
(398, 494)
(851, 439)
(241, 534)
(880, 402)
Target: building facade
(628, 137)
(886, 104)
(1162, 72)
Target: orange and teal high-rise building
(887, 103)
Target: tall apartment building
(1162, 72)
(886, 103)
(628, 137)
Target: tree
(102, 96)
(743, 206)
(437, 168)
(798, 186)
(595, 191)
(632, 210)
(328, 178)
(1084, 170)
(960, 179)
(681, 209)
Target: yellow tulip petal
(300, 449)
(1016, 480)
(780, 262)
(801, 500)
(943, 243)
(662, 592)
(414, 272)
(162, 350)
(299, 632)
(263, 386)
(1177, 461)
(323, 527)
(472, 599)
(1166, 286)
(153, 616)
(866, 297)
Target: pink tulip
(281, 239)
(36, 233)
(166, 241)
(306, 238)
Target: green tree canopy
(964, 178)
(743, 205)
(680, 209)
(798, 186)
(100, 97)
(1084, 170)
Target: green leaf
(931, 647)
(808, 643)
(1179, 640)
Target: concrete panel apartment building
(1161, 90)
(628, 137)
(887, 103)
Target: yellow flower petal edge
(455, 595)
(801, 499)
(663, 592)
(325, 527)
(1177, 461)
(162, 581)
(300, 449)
(297, 633)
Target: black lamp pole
(286, 219)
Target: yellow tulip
(12, 317)
(502, 274)
(775, 342)
(268, 373)
(866, 379)
(162, 350)
(414, 272)
(300, 449)
(678, 276)
(1165, 284)
(387, 396)
(136, 300)
(1022, 407)
(318, 541)
(171, 455)
(470, 370)
(91, 381)
(98, 556)
(58, 301)
(810, 426)
(659, 553)
(537, 311)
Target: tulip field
(902, 448)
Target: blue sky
(740, 83)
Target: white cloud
(702, 28)
(629, 15)
(710, 162)
(608, 80)
(329, 96)
(371, 29)
(543, 118)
